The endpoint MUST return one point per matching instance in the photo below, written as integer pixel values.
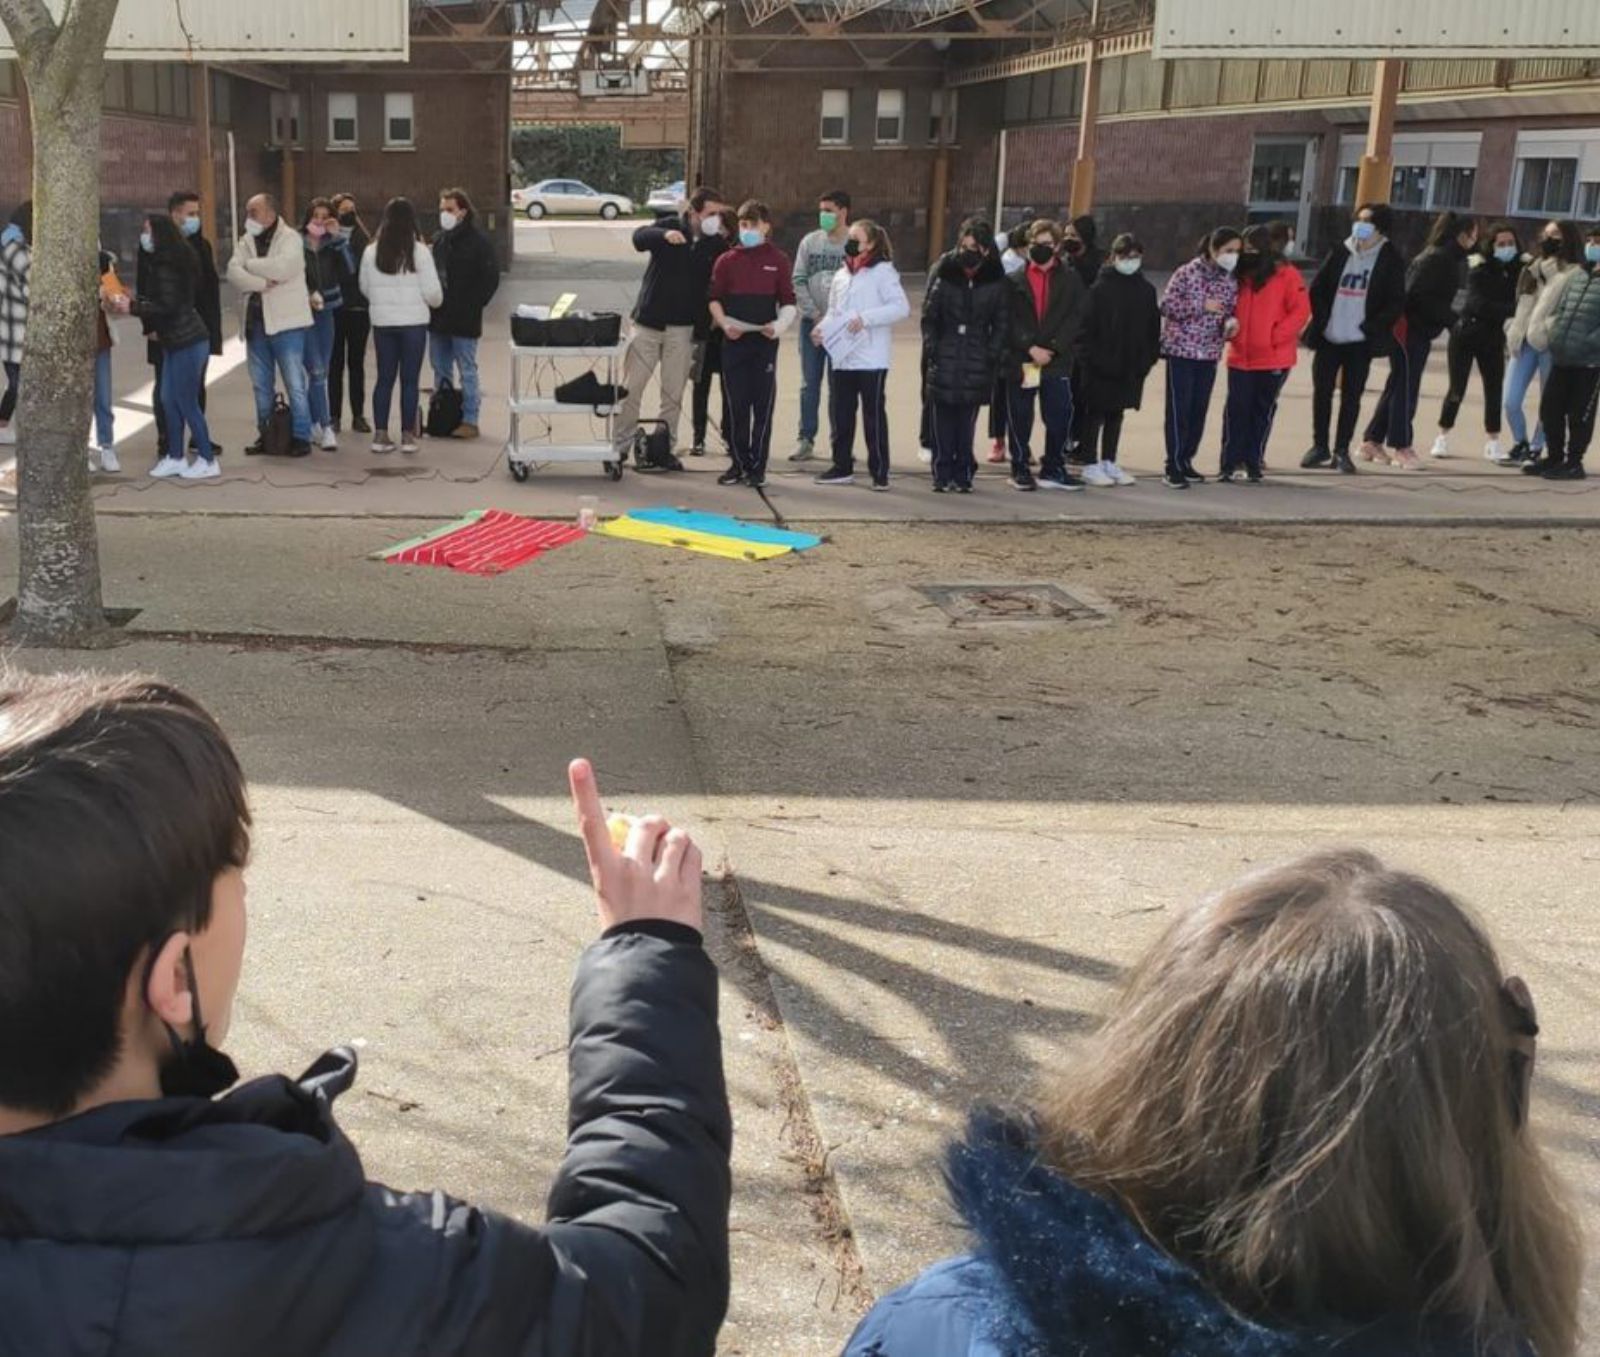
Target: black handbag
(652, 447)
(581, 331)
(587, 389)
(445, 411)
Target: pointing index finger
(591, 814)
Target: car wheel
(535, 211)
(609, 211)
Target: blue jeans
(1054, 395)
(400, 349)
(814, 367)
(104, 433)
(1527, 361)
(285, 354)
(182, 373)
(451, 357)
(319, 353)
(1394, 416)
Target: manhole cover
(986, 603)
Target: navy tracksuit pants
(847, 390)
(1054, 395)
(750, 379)
(1247, 421)
(1189, 385)
(954, 427)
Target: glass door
(1281, 173)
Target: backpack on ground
(445, 411)
(652, 447)
(277, 434)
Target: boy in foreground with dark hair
(140, 1212)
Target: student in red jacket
(1272, 310)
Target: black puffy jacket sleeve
(633, 1261)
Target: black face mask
(969, 259)
(347, 219)
(197, 1069)
(1549, 245)
(852, 248)
(1041, 253)
(1073, 246)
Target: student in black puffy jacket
(141, 1213)
(965, 330)
(1567, 407)
(1479, 334)
(1119, 344)
(168, 285)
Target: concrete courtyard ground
(936, 845)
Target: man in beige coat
(269, 268)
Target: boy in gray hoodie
(820, 256)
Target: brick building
(377, 130)
(928, 112)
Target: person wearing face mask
(1568, 406)
(1013, 248)
(752, 303)
(1047, 309)
(1479, 334)
(1556, 254)
(168, 284)
(184, 209)
(152, 1203)
(671, 304)
(868, 291)
(470, 273)
(966, 348)
(1271, 312)
(1432, 282)
(1196, 320)
(268, 267)
(1081, 250)
(1119, 344)
(816, 264)
(1356, 297)
(352, 322)
(324, 274)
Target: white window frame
(344, 107)
(1579, 144)
(840, 99)
(896, 100)
(286, 126)
(391, 104)
(942, 117)
(1425, 151)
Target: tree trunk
(58, 589)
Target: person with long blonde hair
(1303, 1129)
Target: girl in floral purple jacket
(1197, 320)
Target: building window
(116, 94)
(1546, 184)
(1432, 172)
(343, 132)
(890, 127)
(1349, 177)
(141, 87)
(399, 121)
(835, 129)
(936, 116)
(1452, 187)
(8, 79)
(284, 108)
(1589, 201)
(1409, 187)
(221, 99)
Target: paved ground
(900, 933)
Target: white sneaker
(201, 469)
(109, 462)
(408, 442)
(8, 436)
(1493, 452)
(1441, 447)
(169, 466)
(328, 442)
(1097, 475)
(1118, 475)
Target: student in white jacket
(865, 300)
(269, 268)
(402, 287)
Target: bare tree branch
(29, 23)
(85, 29)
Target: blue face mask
(147, 243)
(1591, 252)
(1505, 253)
(191, 226)
(1363, 231)
(749, 238)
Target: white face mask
(1129, 266)
(448, 221)
(253, 227)
(711, 225)
(1228, 261)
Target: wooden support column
(205, 183)
(939, 203)
(1376, 180)
(1082, 199)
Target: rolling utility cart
(535, 374)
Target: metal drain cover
(983, 604)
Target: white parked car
(667, 198)
(568, 198)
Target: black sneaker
(698, 450)
(940, 488)
(1190, 474)
(1316, 456)
(1022, 480)
(1566, 471)
(1175, 482)
(833, 476)
(756, 482)
(1225, 478)
(732, 476)
(963, 489)
(1252, 476)
(1520, 452)
(1060, 480)
(359, 425)
(1538, 465)
(255, 449)
(1342, 463)
(880, 485)
(300, 448)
